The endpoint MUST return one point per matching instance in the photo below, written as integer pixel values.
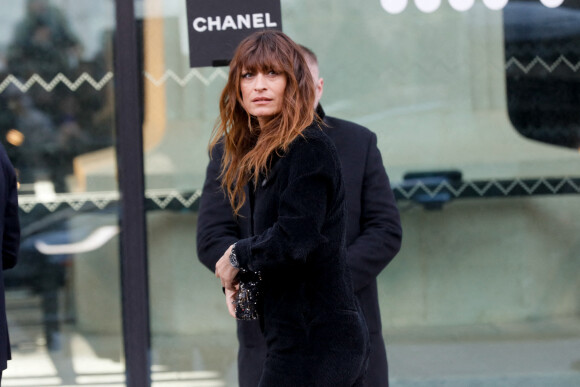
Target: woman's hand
(231, 296)
(226, 272)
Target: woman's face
(262, 92)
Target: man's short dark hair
(309, 54)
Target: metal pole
(133, 237)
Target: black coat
(373, 239)
(315, 333)
(10, 232)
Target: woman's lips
(261, 100)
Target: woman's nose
(260, 83)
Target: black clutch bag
(248, 300)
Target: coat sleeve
(11, 235)
(217, 227)
(313, 180)
(381, 233)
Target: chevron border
(59, 78)
(167, 199)
(182, 81)
(159, 199)
(537, 61)
(489, 188)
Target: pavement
(543, 353)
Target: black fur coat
(314, 330)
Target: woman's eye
(246, 75)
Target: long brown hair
(248, 148)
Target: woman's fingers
(231, 295)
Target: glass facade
(57, 124)
(475, 106)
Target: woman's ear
(318, 90)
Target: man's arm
(381, 233)
(217, 227)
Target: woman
(277, 158)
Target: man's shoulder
(314, 135)
(312, 146)
(348, 127)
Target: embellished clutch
(248, 299)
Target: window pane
(192, 339)
(496, 258)
(57, 124)
(542, 48)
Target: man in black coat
(10, 232)
(373, 234)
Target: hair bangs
(264, 56)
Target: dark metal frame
(133, 237)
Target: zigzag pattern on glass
(193, 73)
(491, 188)
(156, 199)
(537, 61)
(59, 78)
(163, 199)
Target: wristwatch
(233, 258)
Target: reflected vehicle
(48, 249)
(542, 50)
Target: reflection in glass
(57, 124)
(542, 48)
(53, 112)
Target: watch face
(233, 258)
